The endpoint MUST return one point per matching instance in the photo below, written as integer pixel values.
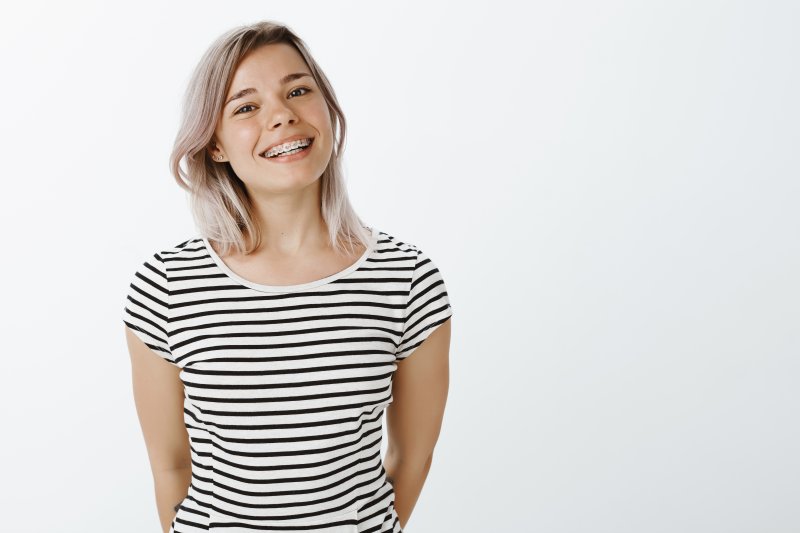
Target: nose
(281, 114)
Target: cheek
(322, 122)
(322, 118)
(247, 132)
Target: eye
(240, 110)
(301, 88)
(244, 106)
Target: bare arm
(414, 418)
(158, 395)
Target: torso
(286, 388)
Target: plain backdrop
(609, 188)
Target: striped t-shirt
(285, 386)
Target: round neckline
(291, 288)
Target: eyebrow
(283, 81)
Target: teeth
(286, 147)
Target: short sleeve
(146, 309)
(428, 306)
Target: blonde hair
(220, 204)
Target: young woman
(282, 330)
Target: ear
(217, 154)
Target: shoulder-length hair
(220, 204)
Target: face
(274, 108)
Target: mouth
(287, 149)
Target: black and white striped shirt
(285, 386)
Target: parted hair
(220, 204)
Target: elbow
(409, 460)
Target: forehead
(266, 65)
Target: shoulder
(172, 254)
(401, 248)
(161, 259)
(423, 273)
(388, 242)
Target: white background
(610, 190)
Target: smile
(289, 148)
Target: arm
(414, 418)
(158, 394)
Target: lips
(286, 140)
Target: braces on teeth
(287, 147)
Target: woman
(284, 329)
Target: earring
(218, 158)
